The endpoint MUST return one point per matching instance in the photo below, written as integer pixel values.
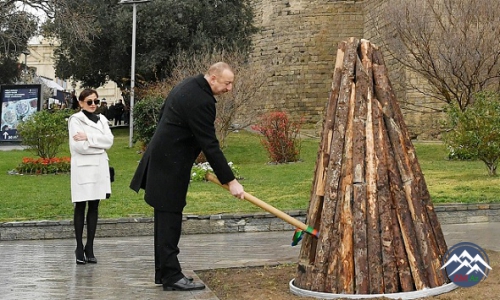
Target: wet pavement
(46, 269)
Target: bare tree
(234, 109)
(20, 20)
(74, 16)
(453, 44)
(16, 28)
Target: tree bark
(329, 230)
(378, 229)
(307, 253)
(359, 183)
(391, 242)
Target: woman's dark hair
(85, 93)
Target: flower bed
(37, 166)
(199, 170)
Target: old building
(40, 62)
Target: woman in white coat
(89, 138)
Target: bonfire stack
(378, 230)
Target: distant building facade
(40, 62)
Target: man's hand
(236, 189)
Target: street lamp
(26, 53)
(132, 71)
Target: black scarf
(92, 116)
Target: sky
(40, 14)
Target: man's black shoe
(183, 285)
(158, 281)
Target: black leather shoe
(90, 260)
(80, 257)
(158, 281)
(183, 285)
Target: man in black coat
(119, 109)
(185, 128)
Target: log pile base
(404, 295)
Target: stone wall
(221, 223)
(297, 45)
(418, 109)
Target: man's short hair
(218, 68)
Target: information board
(19, 102)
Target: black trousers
(167, 232)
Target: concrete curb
(221, 223)
(419, 294)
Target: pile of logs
(378, 229)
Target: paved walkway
(46, 269)
(11, 146)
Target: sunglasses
(96, 102)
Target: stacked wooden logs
(378, 229)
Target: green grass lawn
(287, 186)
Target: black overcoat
(185, 128)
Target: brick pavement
(46, 269)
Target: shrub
(475, 133)
(459, 153)
(281, 136)
(44, 132)
(146, 116)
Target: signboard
(19, 102)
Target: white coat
(89, 161)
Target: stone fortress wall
(297, 44)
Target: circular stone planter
(404, 295)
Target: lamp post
(132, 68)
(26, 53)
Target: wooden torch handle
(278, 213)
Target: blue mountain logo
(466, 264)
